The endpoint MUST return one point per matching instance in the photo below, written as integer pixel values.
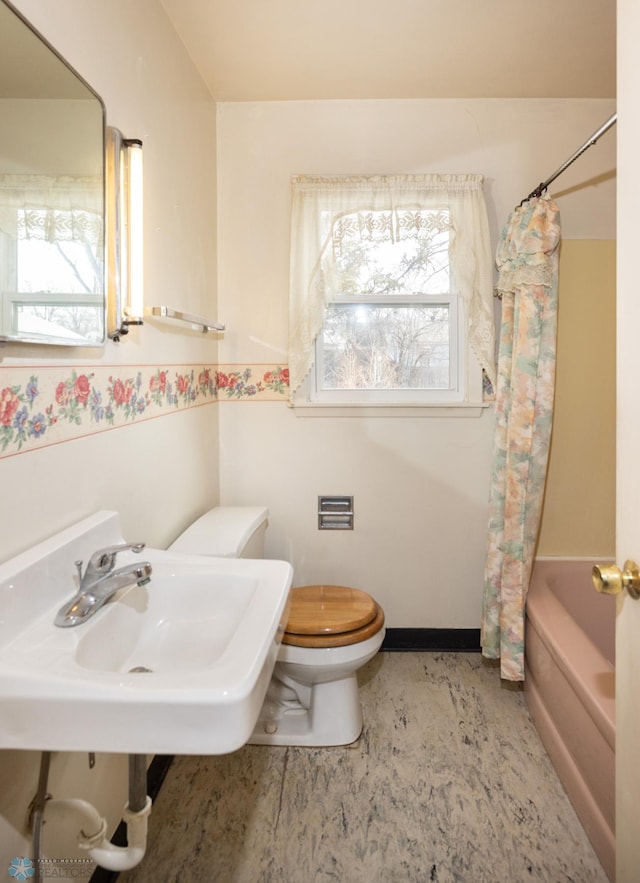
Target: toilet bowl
(331, 632)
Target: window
(386, 274)
(51, 257)
(51, 289)
(391, 329)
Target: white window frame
(13, 300)
(320, 202)
(456, 391)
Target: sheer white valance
(53, 208)
(385, 208)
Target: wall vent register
(335, 513)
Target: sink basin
(183, 621)
(178, 666)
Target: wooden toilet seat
(331, 616)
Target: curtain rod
(540, 189)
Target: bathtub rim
(550, 618)
(598, 826)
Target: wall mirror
(52, 229)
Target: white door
(628, 452)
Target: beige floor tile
(449, 783)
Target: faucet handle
(104, 559)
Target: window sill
(400, 409)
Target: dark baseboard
(444, 640)
(158, 769)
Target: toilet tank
(226, 532)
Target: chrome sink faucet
(100, 582)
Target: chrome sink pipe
(100, 582)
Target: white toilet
(331, 632)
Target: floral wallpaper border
(259, 382)
(45, 405)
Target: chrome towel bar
(168, 313)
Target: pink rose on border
(62, 393)
(8, 406)
(122, 392)
(82, 389)
(158, 383)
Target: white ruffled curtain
(52, 208)
(319, 204)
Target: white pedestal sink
(178, 666)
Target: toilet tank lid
(223, 531)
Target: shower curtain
(527, 260)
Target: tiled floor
(449, 783)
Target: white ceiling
(250, 50)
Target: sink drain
(138, 669)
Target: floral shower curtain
(527, 259)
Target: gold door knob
(609, 579)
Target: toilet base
(321, 715)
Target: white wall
(420, 484)
(25, 151)
(161, 473)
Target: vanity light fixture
(124, 196)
